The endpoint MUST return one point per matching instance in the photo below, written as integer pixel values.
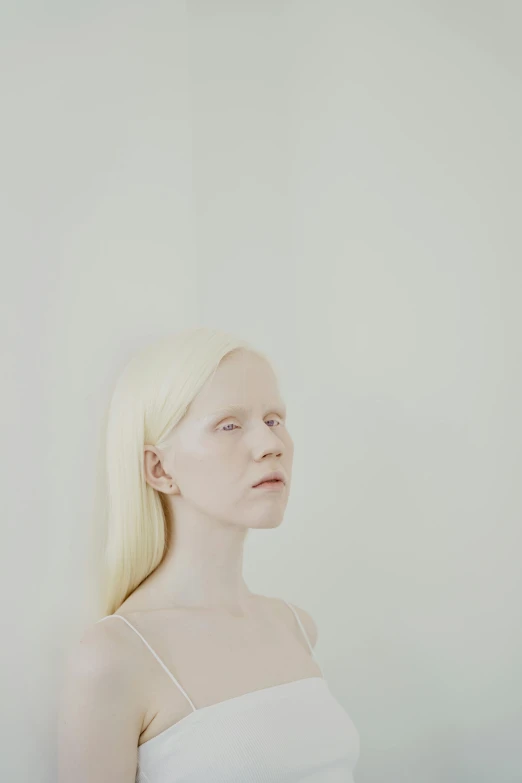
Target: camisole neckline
(260, 694)
(290, 731)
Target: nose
(268, 443)
(266, 452)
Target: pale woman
(190, 676)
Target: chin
(266, 522)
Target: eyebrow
(229, 409)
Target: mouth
(270, 484)
(275, 478)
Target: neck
(202, 568)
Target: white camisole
(285, 733)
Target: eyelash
(226, 425)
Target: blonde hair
(150, 397)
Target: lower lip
(273, 486)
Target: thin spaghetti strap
(154, 654)
(301, 626)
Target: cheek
(209, 466)
(210, 473)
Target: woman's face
(216, 454)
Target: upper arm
(100, 718)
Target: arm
(100, 715)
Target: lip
(277, 474)
(271, 486)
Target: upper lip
(277, 474)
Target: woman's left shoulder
(309, 624)
(306, 618)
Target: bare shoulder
(307, 620)
(102, 655)
(99, 648)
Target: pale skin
(219, 639)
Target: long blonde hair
(150, 397)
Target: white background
(339, 183)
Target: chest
(215, 661)
(286, 733)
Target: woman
(190, 676)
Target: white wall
(339, 183)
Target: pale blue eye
(225, 427)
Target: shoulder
(96, 655)
(309, 624)
(102, 657)
(307, 620)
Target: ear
(154, 473)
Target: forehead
(241, 378)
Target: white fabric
(286, 733)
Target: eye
(228, 425)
